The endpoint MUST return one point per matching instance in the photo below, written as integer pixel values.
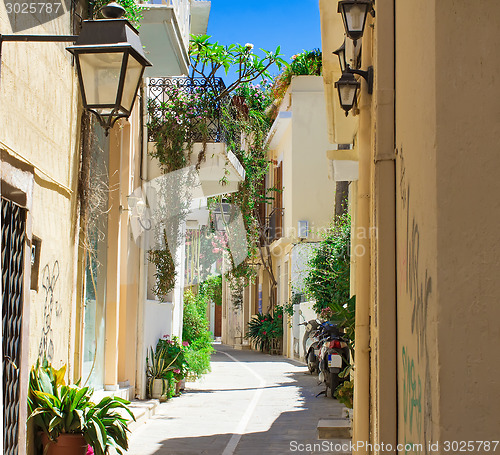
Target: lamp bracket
(366, 75)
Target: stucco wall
(468, 213)
(39, 124)
(312, 192)
(308, 193)
(416, 212)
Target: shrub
(196, 335)
(345, 393)
(328, 278)
(266, 330)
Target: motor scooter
(310, 344)
(333, 356)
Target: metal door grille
(13, 225)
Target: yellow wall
(39, 124)
(308, 193)
(468, 127)
(416, 211)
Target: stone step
(143, 410)
(334, 429)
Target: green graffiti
(412, 395)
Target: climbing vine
(238, 111)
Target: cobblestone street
(251, 403)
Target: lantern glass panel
(101, 76)
(347, 93)
(355, 14)
(132, 77)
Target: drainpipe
(384, 183)
(140, 388)
(361, 429)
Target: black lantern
(110, 62)
(340, 53)
(348, 86)
(354, 14)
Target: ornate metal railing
(160, 95)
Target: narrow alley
(251, 403)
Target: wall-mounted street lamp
(348, 87)
(354, 14)
(110, 63)
(340, 53)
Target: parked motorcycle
(333, 356)
(311, 344)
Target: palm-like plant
(159, 366)
(57, 408)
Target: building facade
(426, 145)
(73, 280)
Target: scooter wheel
(333, 383)
(311, 364)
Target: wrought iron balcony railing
(165, 95)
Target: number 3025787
(470, 446)
(33, 8)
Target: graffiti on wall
(417, 283)
(412, 395)
(51, 309)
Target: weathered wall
(446, 136)
(468, 213)
(39, 124)
(416, 213)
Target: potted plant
(159, 372)
(67, 418)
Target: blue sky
(292, 24)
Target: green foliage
(208, 57)
(327, 280)
(132, 10)
(165, 271)
(58, 408)
(345, 393)
(307, 63)
(177, 122)
(164, 363)
(328, 277)
(242, 113)
(211, 289)
(195, 333)
(266, 330)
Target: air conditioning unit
(303, 229)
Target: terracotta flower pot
(66, 444)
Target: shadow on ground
(290, 432)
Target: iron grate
(13, 228)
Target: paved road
(250, 404)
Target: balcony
(274, 225)
(165, 30)
(161, 92)
(176, 102)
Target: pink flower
(264, 332)
(185, 343)
(177, 371)
(90, 450)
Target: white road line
(240, 429)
